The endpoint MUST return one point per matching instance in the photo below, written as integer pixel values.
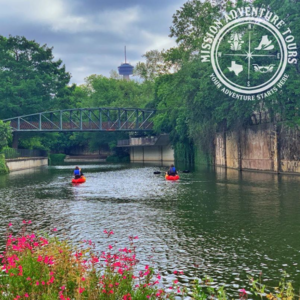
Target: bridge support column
(15, 141)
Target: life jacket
(76, 172)
(172, 171)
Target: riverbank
(23, 163)
(3, 166)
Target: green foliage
(110, 92)
(5, 134)
(31, 142)
(284, 290)
(206, 290)
(30, 79)
(191, 108)
(154, 66)
(190, 23)
(10, 153)
(3, 167)
(56, 159)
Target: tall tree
(30, 78)
(154, 66)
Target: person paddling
(172, 171)
(77, 172)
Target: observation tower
(125, 69)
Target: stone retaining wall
(17, 164)
(264, 147)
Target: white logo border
(258, 22)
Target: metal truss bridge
(85, 119)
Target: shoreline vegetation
(41, 266)
(3, 167)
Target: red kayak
(171, 177)
(79, 180)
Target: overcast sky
(90, 35)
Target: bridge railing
(19, 153)
(86, 119)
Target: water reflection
(225, 224)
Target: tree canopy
(31, 80)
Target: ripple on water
(204, 225)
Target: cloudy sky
(90, 35)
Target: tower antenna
(125, 69)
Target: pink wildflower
(81, 290)
(51, 279)
(243, 292)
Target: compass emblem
(249, 55)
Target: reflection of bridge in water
(85, 119)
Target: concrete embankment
(23, 163)
(263, 147)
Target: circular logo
(249, 56)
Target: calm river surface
(227, 225)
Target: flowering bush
(37, 267)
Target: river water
(224, 224)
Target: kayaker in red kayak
(172, 171)
(77, 172)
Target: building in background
(125, 69)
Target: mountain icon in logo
(265, 44)
(236, 68)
